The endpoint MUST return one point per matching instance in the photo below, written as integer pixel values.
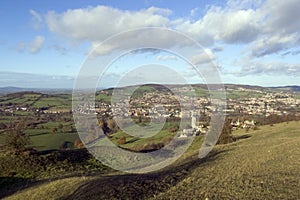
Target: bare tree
(15, 139)
(226, 135)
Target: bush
(15, 139)
(122, 140)
(226, 135)
(78, 144)
(54, 130)
(49, 164)
(112, 126)
(2, 126)
(60, 126)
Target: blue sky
(45, 43)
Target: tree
(112, 125)
(73, 129)
(140, 119)
(15, 139)
(2, 126)
(78, 144)
(174, 129)
(101, 123)
(60, 126)
(122, 140)
(226, 135)
(66, 129)
(67, 145)
(54, 130)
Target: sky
(46, 43)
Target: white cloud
(36, 19)
(33, 47)
(36, 45)
(280, 28)
(95, 24)
(206, 56)
(269, 26)
(273, 44)
(61, 49)
(269, 68)
(143, 38)
(196, 30)
(244, 4)
(281, 16)
(98, 23)
(21, 47)
(193, 12)
(166, 57)
(230, 26)
(217, 48)
(263, 27)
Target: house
(248, 124)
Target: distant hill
(9, 90)
(292, 88)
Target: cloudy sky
(45, 43)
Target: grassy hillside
(264, 165)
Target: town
(245, 111)
(157, 104)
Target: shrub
(226, 135)
(122, 140)
(54, 130)
(3, 126)
(15, 139)
(60, 126)
(112, 125)
(78, 144)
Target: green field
(52, 141)
(265, 164)
(200, 92)
(133, 142)
(26, 99)
(58, 101)
(243, 94)
(103, 97)
(45, 140)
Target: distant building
(194, 120)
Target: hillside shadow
(39, 134)
(138, 186)
(126, 186)
(11, 185)
(242, 137)
(132, 140)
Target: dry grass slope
(265, 166)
